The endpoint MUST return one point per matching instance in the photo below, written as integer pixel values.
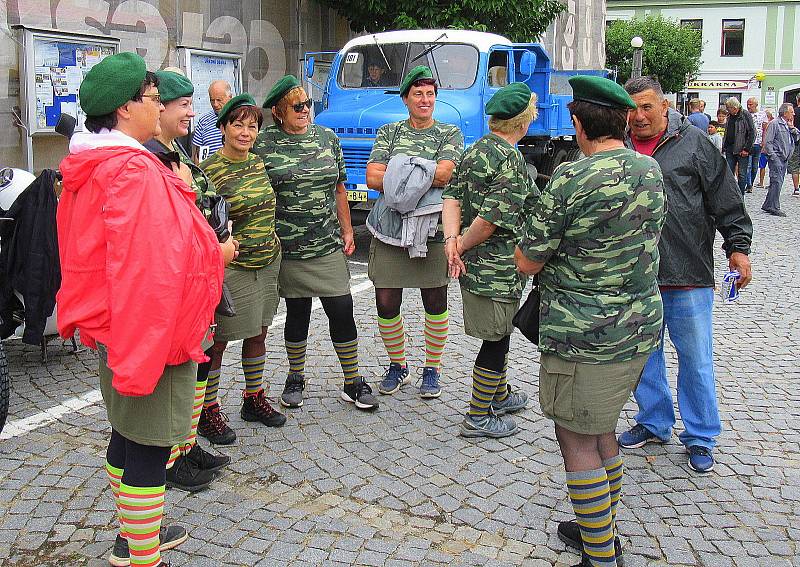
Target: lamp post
(637, 43)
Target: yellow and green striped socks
(502, 386)
(296, 353)
(212, 386)
(484, 385)
(348, 358)
(114, 479)
(141, 509)
(253, 369)
(615, 471)
(394, 338)
(436, 328)
(591, 501)
(191, 439)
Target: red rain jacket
(141, 268)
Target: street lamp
(637, 43)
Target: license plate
(357, 196)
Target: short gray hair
(223, 84)
(641, 84)
(733, 102)
(784, 108)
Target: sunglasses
(156, 98)
(299, 106)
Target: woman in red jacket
(141, 277)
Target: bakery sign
(734, 84)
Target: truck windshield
(454, 65)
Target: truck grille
(356, 131)
(356, 158)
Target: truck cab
(362, 92)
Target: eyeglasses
(299, 106)
(156, 98)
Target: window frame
(722, 37)
(685, 22)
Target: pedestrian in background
(722, 120)
(484, 208)
(207, 138)
(759, 121)
(703, 190)
(696, 117)
(762, 161)
(780, 141)
(738, 140)
(714, 136)
(793, 165)
(306, 168)
(600, 312)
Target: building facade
(749, 47)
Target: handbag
(218, 219)
(526, 319)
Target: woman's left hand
(349, 243)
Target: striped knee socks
(436, 328)
(253, 369)
(212, 386)
(591, 500)
(141, 509)
(348, 358)
(183, 448)
(114, 479)
(615, 471)
(394, 338)
(484, 385)
(502, 387)
(296, 353)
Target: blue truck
(361, 93)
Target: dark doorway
(791, 96)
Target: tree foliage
(671, 51)
(519, 20)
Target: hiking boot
(487, 426)
(292, 396)
(184, 474)
(638, 436)
(256, 407)
(570, 534)
(700, 459)
(430, 383)
(169, 536)
(360, 394)
(205, 461)
(395, 377)
(214, 427)
(515, 401)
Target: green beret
(415, 74)
(243, 99)
(599, 90)
(111, 83)
(172, 86)
(509, 101)
(283, 86)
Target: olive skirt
(488, 318)
(390, 266)
(255, 298)
(327, 276)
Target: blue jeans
(744, 169)
(755, 159)
(687, 317)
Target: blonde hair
(293, 96)
(177, 70)
(510, 125)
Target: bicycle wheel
(5, 386)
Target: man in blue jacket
(702, 197)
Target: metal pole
(637, 64)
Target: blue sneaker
(637, 436)
(430, 383)
(395, 377)
(700, 459)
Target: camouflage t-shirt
(439, 142)
(304, 170)
(247, 189)
(596, 227)
(201, 184)
(492, 182)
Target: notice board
(203, 67)
(54, 66)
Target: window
(498, 69)
(732, 38)
(693, 24)
(682, 101)
(725, 96)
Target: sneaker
(395, 377)
(206, 461)
(256, 407)
(430, 383)
(515, 401)
(186, 475)
(795, 192)
(570, 534)
(214, 427)
(748, 189)
(487, 426)
(637, 436)
(700, 459)
(360, 394)
(759, 185)
(778, 212)
(585, 561)
(170, 536)
(292, 396)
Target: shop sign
(725, 85)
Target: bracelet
(449, 237)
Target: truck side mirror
(527, 64)
(310, 67)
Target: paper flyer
(74, 78)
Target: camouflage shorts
(586, 398)
(488, 318)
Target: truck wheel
(5, 386)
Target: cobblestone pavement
(398, 487)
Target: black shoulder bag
(527, 318)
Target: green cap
(415, 74)
(509, 101)
(172, 86)
(283, 86)
(111, 83)
(243, 99)
(599, 90)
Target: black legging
(339, 309)
(492, 355)
(388, 301)
(143, 465)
